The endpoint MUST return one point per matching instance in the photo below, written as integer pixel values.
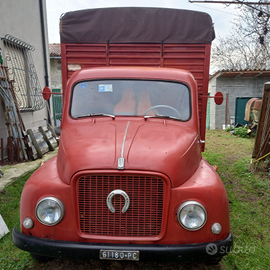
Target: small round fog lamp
(28, 223)
(216, 228)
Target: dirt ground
(58, 264)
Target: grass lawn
(249, 197)
(10, 256)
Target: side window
(22, 73)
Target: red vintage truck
(129, 181)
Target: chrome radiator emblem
(114, 193)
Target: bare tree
(248, 45)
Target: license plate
(119, 255)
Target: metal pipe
(226, 113)
(44, 53)
(8, 100)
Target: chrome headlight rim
(60, 205)
(182, 206)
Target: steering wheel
(162, 106)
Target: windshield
(131, 98)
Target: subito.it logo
(211, 249)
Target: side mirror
(46, 93)
(218, 98)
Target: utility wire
(237, 2)
(214, 9)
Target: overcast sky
(221, 14)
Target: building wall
(56, 73)
(235, 87)
(21, 19)
(211, 91)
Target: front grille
(143, 217)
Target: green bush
(241, 132)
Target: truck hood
(150, 145)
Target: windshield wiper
(161, 116)
(96, 114)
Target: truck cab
(129, 181)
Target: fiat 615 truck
(129, 181)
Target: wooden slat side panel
(262, 140)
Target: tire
(40, 258)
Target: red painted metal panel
(192, 57)
(196, 59)
(64, 68)
(134, 55)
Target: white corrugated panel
(3, 227)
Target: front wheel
(40, 258)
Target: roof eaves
(241, 73)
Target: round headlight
(50, 211)
(191, 215)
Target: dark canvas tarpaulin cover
(136, 25)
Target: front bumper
(80, 250)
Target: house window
(22, 74)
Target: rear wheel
(40, 258)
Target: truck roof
(142, 73)
(136, 25)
